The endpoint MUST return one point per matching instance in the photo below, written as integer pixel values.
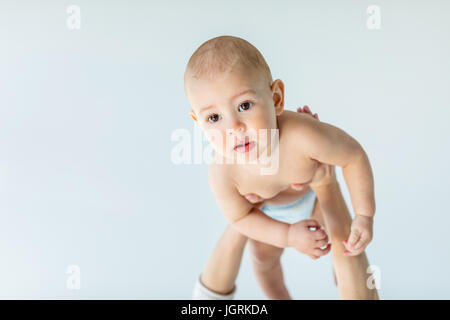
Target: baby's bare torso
(293, 168)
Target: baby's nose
(237, 126)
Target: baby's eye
(245, 106)
(213, 118)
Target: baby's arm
(243, 215)
(331, 145)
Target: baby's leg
(223, 266)
(350, 270)
(267, 267)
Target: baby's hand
(360, 235)
(307, 241)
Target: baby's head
(229, 86)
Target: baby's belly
(287, 196)
(278, 190)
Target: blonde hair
(221, 54)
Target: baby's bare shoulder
(317, 140)
(221, 178)
(295, 120)
(222, 183)
(296, 129)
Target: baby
(233, 97)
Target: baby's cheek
(218, 144)
(214, 136)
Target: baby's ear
(192, 114)
(278, 95)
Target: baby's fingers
(355, 234)
(320, 234)
(352, 253)
(322, 252)
(311, 223)
(321, 243)
(348, 253)
(362, 242)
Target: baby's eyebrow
(205, 108)
(242, 93)
(231, 99)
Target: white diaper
(300, 209)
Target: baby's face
(235, 104)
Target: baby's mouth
(241, 143)
(244, 146)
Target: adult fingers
(307, 110)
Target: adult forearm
(334, 211)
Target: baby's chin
(249, 157)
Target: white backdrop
(86, 117)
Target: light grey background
(86, 118)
